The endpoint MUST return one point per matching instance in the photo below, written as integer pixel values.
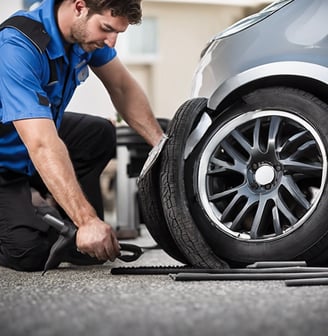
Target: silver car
(243, 176)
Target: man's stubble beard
(79, 34)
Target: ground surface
(90, 301)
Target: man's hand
(97, 239)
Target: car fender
(290, 68)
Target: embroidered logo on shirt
(83, 74)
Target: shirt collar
(46, 12)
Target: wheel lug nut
(267, 186)
(254, 166)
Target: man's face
(97, 30)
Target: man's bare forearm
(136, 111)
(56, 170)
(51, 159)
(130, 100)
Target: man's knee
(25, 255)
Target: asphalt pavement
(91, 301)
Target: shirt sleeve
(21, 71)
(102, 56)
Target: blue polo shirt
(25, 90)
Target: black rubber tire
(152, 213)
(308, 242)
(148, 189)
(172, 189)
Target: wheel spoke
(276, 221)
(256, 134)
(232, 152)
(230, 208)
(239, 220)
(227, 211)
(295, 192)
(218, 166)
(225, 193)
(304, 150)
(294, 141)
(283, 208)
(258, 218)
(243, 142)
(273, 132)
(308, 169)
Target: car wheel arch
(301, 75)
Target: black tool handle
(153, 270)
(58, 224)
(67, 233)
(307, 282)
(55, 251)
(134, 252)
(246, 276)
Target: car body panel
(298, 70)
(291, 42)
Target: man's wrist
(85, 216)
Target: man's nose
(110, 40)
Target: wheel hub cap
(264, 175)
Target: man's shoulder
(13, 42)
(18, 53)
(24, 29)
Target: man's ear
(80, 7)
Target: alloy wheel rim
(262, 174)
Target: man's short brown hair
(131, 9)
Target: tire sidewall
(172, 186)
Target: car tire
(256, 183)
(152, 213)
(172, 189)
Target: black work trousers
(25, 239)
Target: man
(56, 153)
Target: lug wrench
(67, 233)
